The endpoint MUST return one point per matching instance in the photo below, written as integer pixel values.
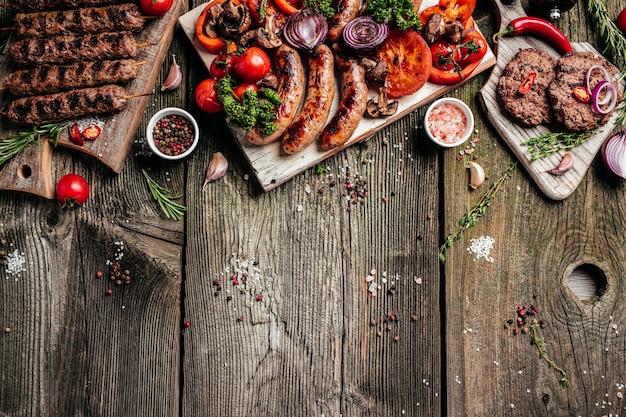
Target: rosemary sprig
(164, 198)
(471, 217)
(16, 143)
(551, 142)
(543, 354)
(615, 43)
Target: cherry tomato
(206, 96)
(408, 57)
(242, 88)
(447, 57)
(621, 21)
(156, 7)
(72, 189)
(252, 65)
(444, 57)
(222, 65)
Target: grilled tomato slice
(408, 57)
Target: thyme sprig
(552, 142)
(615, 43)
(543, 354)
(14, 144)
(164, 198)
(471, 217)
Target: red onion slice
(614, 154)
(610, 97)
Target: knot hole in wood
(588, 282)
(24, 172)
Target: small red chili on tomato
(582, 94)
(92, 132)
(75, 135)
(528, 83)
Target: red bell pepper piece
(214, 45)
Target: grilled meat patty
(571, 71)
(532, 108)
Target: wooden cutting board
(31, 170)
(271, 166)
(553, 186)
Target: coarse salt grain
(481, 248)
(15, 262)
(447, 123)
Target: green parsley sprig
(164, 198)
(323, 7)
(402, 13)
(254, 109)
(14, 144)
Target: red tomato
(242, 88)
(447, 57)
(443, 55)
(621, 21)
(156, 7)
(222, 65)
(252, 65)
(206, 96)
(72, 189)
(408, 57)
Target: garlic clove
(217, 168)
(477, 175)
(174, 77)
(565, 165)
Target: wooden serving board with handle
(271, 166)
(553, 186)
(30, 171)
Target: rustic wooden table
(301, 334)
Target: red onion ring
(603, 70)
(611, 92)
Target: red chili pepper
(539, 27)
(582, 94)
(528, 83)
(75, 135)
(92, 132)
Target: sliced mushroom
(248, 39)
(375, 71)
(267, 35)
(383, 107)
(453, 32)
(235, 19)
(270, 81)
(433, 27)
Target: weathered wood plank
(538, 244)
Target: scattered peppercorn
(109, 292)
(187, 324)
(7, 330)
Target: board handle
(507, 12)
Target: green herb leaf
(15, 144)
(471, 217)
(402, 13)
(552, 142)
(164, 198)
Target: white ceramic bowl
(455, 126)
(168, 111)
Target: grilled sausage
(291, 86)
(347, 10)
(320, 92)
(78, 21)
(67, 49)
(42, 5)
(37, 110)
(352, 105)
(55, 78)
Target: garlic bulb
(174, 77)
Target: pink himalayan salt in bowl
(449, 122)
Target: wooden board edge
(31, 172)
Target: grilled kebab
(79, 21)
(42, 5)
(67, 49)
(55, 78)
(37, 110)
